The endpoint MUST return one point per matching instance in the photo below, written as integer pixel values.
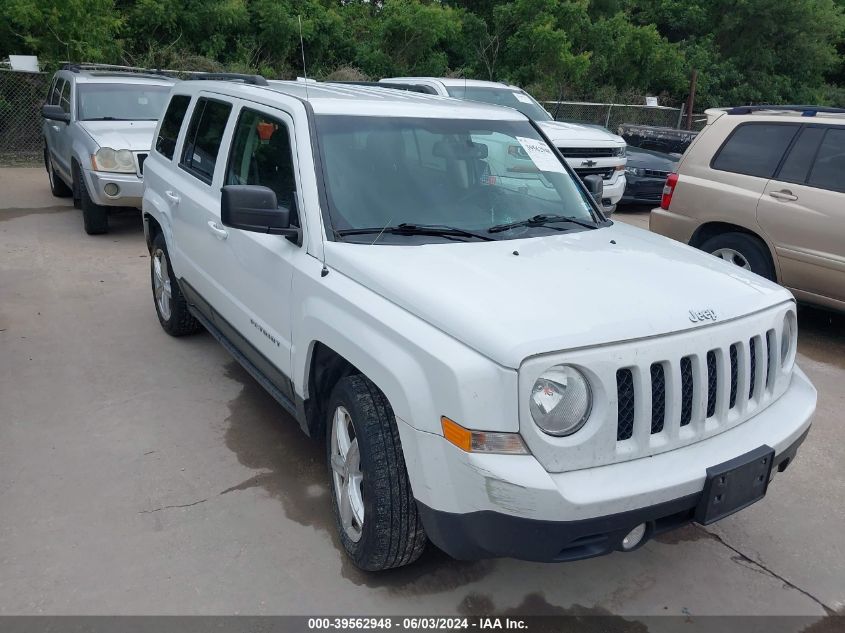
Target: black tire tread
(398, 536)
(58, 187)
(95, 217)
(753, 248)
(181, 322)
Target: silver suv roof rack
(254, 80)
(805, 110)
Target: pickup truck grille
(587, 152)
(716, 374)
(655, 173)
(605, 172)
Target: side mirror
(55, 113)
(254, 208)
(595, 185)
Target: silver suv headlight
(561, 400)
(116, 160)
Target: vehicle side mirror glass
(255, 208)
(595, 185)
(55, 113)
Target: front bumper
(641, 190)
(477, 506)
(130, 186)
(613, 190)
(488, 534)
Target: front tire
(745, 251)
(94, 216)
(171, 306)
(58, 187)
(375, 511)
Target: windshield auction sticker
(541, 155)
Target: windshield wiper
(417, 229)
(542, 219)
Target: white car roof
(350, 99)
(457, 81)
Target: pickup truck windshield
(458, 174)
(509, 97)
(121, 102)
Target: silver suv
(98, 129)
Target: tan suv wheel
(742, 250)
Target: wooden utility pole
(691, 99)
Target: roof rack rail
(377, 84)
(805, 110)
(254, 80)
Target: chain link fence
(21, 97)
(612, 115)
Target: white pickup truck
(589, 149)
(501, 371)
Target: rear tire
(375, 511)
(171, 306)
(743, 250)
(58, 187)
(95, 217)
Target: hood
(561, 292)
(560, 132)
(133, 135)
(650, 159)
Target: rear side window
(204, 136)
(828, 170)
(797, 164)
(755, 149)
(171, 124)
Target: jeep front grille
(720, 370)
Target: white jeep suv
(589, 149)
(498, 369)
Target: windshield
(510, 97)
(464, 174)
(121, 102)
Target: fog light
(634, 537)
(111, 189)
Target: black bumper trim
(489, 534)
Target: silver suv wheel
(346, 471)
(161, 284)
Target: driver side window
(262, 155)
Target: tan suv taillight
(668, 190)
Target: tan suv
(763, 187)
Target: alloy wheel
(161, 284)
(347, 475)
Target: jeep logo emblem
(697, 316)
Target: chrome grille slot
(658, 398)
(626, 400)
(770, 344)
(712, 383)
(686, 390)
(752, 352)
(734, 374)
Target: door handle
(220, 234)
(174, 198)
(56, 128)
(783, 194)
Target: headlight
(561, 400)
(620, 151)
(108, 159)
(635, 171)
(788, 340)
